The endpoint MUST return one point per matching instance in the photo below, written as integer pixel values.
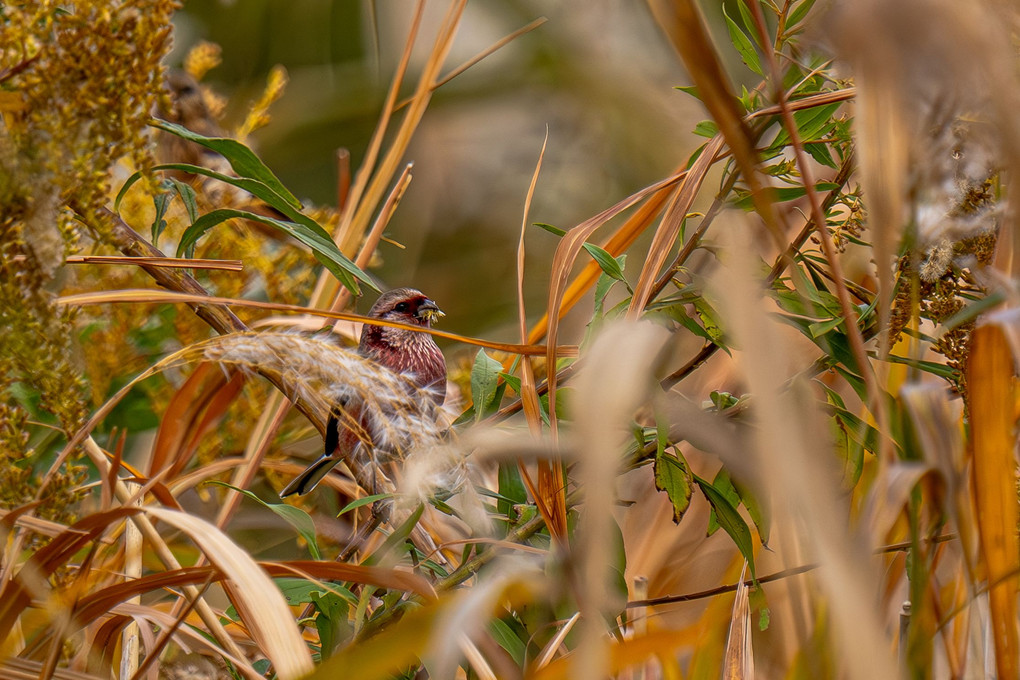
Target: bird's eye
(400, 307)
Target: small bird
(405, 352)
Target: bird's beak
(429, 311)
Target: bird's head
(406, 305)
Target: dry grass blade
(137, 296)
(683, 24)
(259, 603)
(669, 229)
(376, 232)
(96, 604)
(616, 381)
(625, 654)
(178, 262)
(553, 646)
(622, 239)
(990, 385)
(346, 234)
(738, 660)
(529, 396)
(362, 207)
(198, 401)
(499, 44)
(15, 668)
(563, 260)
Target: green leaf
(706, 128)
(332, 622)
(296, 517)
(743, 44)
(798, 13)
(935, 368)
(730, 520)
(363, 501)
(124, 189)
(820, 152)
(484, 381)
(187, 195)
(242, 159)
(811, 123)
(506, 638)
(724, 483)
(605, 261)
(822, 327)
(511, 489)
(610, 265)
(604, 284)
(783, 194)
(673, 475)
(398, 536)
(161, 202)
(689, 89)
(322, 246)
(710, 320)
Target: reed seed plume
(400, 416)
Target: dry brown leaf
(990, 381)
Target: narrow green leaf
(511, 489)
(365, 500)
(783, 194)
(606, 262)
(124, 189)
(484, 381)
(242, 159)
(296, 517)
(551, 229)
(743, 44)
(935, 368)
(810, 124)
(748, 21)
(323, 248)
(508, 640)
(161, 202)
(689, 89)
(730, 520)
(822, 327)
(304, 222)
(798, 13)
(724, 484)
(187, 195)
(398, 536)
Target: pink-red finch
(405, 352)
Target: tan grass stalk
(615, 382)
(130, 650)
(804, 486)
(258, 601)
(549, 651)
(179, 262)
(376, 232)
(147, 295)
(166, 556)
